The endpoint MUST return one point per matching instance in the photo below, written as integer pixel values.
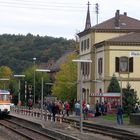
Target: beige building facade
(114, 48)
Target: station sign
(135, 54)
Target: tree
(114, 85)
(65, 87)
(17, 51)
(5, 72)
(129, 99)
(29, 77)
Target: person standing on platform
(67, 106)
(119, 115)
(54, 110)
(97, 107)
(102, 108)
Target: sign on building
(135, 54)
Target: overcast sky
(58, 18)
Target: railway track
(104, 130)
(26, 132)
(88, 128)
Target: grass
(112, 117)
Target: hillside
(17, 51)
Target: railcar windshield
(4, 97)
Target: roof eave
(113, 43)
(85, 32)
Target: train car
(4, 102)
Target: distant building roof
(61, 60)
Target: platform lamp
(34, 61)
(19, 84)
(81, 86)
(42, 82)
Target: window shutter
(131, 64)
(117, 66)
(101, 65)
(98, 65)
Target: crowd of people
(57, 107)
(65, 109)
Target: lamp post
(121, 92)
(42, 81)
(49, 84)
(19, 77)
(34, 60)
(81, 92)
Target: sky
(58, 18)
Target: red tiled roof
(131, 37)
(125, 22)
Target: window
(88, 43)
(124, 64)
(100, 65)
(85, 67)
(85, 44)
(82, 46)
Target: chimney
(125, 13)
(117, 19)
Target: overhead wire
(25, 4)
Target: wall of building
(108, 53)
(118, 51)
(101, 36)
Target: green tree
(129, 99)
(65, 87)
(5, 72)
(29, 77)
(17, 51)
(114, 85)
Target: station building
(114, 48)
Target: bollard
(43, 117)
(27, 112)
(47, 117)
(51, 117)
(36, 114)
(60, 118)
(33, 114)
